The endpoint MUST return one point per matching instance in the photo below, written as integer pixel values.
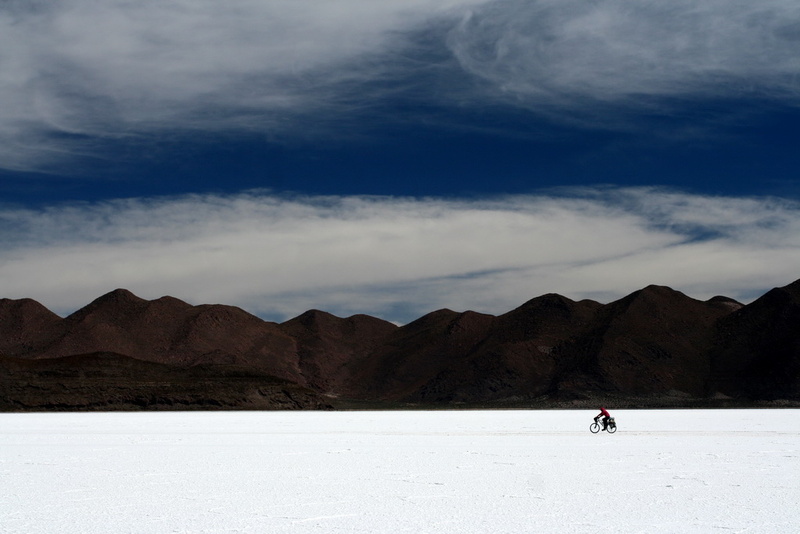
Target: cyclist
(605, 415)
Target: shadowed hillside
(655, 347)
(108, 381)
(331, 349)
(757, 348)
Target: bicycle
(596, 427)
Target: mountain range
(654, 347)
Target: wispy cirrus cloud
(570, 56)
(78, 74)
(398, 258)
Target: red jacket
(603, 411)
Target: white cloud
(562, 55)
(110, 69)
(398, 258)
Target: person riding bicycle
(605, 415)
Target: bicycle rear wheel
(594, 428)
(611, 429)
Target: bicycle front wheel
(594, 428)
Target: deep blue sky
(513, 152)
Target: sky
(397, 157)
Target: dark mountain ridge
(655, 346)
(756, 349)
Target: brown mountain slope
(22, 323)
(757, 348)
(169, 331)
(108, 381)
(513, 355)
(330, 348)
(410, 361)
(653, 341)
(536, 334)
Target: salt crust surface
(402, 471)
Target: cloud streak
(78, 74)
(96, 70)
(573, 54)
(398, 258)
